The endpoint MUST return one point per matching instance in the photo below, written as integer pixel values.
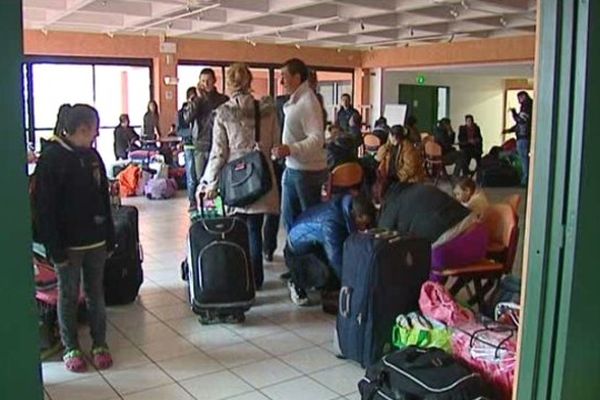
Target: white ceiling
(328, 23)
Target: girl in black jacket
(73, 220)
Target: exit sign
(420, 79)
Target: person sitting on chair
(314, 248)
(399, 161)
(470, 196)
(444, 136)
(470, 141)
(125, 137)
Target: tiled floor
(161, 352)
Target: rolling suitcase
(381, 279)
(123, 274)
(219, 270)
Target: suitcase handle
(344, 301)
(202, 214)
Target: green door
(422, 103)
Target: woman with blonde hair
(234, 137)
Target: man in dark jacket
(346, 113)
(470, 140)
(125, 136)
(444, 136)
(314, 249)
(424, 211)
(522, 129)
(199, 113)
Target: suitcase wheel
(211, 317)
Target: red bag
(436, 303)
(491, 350)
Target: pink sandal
(102, 358)
(74, 361)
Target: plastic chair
(514, 200)
(503, 230)
(371, 143)
(434, 164)
(346, 176)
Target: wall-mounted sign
(420, 79)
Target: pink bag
(490, 350)
(437, 303)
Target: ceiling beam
(72, 7)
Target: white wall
(481, 96)
(375, 94)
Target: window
(112, 89)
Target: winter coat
(340, 151)
(463, 139)
(199, 113)
(420, 210)
(409, 163)
(151, 126)
(233, 137)
(124, 136)
(70, 199)
(522, 126)
(326, 225)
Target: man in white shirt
(303, 144)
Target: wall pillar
(165, 65)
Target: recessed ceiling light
(297, 46)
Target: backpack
(415, 373)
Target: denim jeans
(255, 223)
(88, 264)
(301, 190)
(523, 150)
(271, 223)
(195, 162)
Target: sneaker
(298, 296)
(102, 358)
(74, 361)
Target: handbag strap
(256, 122)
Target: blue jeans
(195, 162)
(523, 150)
(255, 223)
(90, 265)
(301, 190)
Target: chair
(434, 164)
(503, 231)
(346, 176)
(371, 143)
(514, 200)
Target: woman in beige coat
(233, 137)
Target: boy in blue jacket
(314, 248)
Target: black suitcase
(381, 279)
(219, 271)
(123, 274)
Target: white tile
(147, 333)
(131, 318)
(190, 366)
(169, 392)
(54, 372)
(127, 358)
(265, 373)
(343, 379)
(159, 299)
(282, 343)
(216, 386)
(256, 395)
(311, 360)
(354, 396)
(169, 348)
(317, 332)
(210, 337)
(91, 388)
(299, 389)
(238, 354)
(255, 326)
(185, 326)
(137, 379)
(175, 311)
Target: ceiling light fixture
(110, 34)
(169, 25)
(104, 2)
(411, 31)
(451, 38)
(503, 22)
(317, 27)
(45, 31)
(454, 13)
(145, 33)
(464, 4)
(297, 46)
(253, 43)
(362, 25)
(339, 49)
(278, 34)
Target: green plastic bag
(415, 330)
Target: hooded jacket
(327, 225)
(199, 113)
(71, 201)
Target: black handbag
(248, 178)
